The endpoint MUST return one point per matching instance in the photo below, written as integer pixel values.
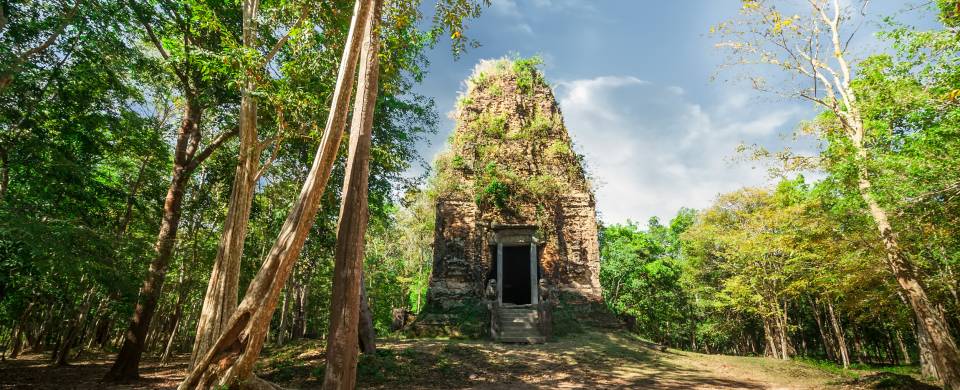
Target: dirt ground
(587, 361)
(33, 371)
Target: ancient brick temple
(515, 216)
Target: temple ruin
(516, 228)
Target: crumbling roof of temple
(510, 150)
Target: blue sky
(633, 79)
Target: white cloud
(524, 28)
(653, 150)
(506, 8)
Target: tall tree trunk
(841, 341)
(223, 288)
(367, 333)
(943, 348)
(351, 230)
(126, 366)
(220, 300)
(230, 361)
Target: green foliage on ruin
(494, 126)
(528, 74)
(481, 164)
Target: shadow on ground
(33, 371)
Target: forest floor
(583, 361)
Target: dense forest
(173, 182)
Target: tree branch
(206, 152)
(276, 48)
(53, 37)
(7, 76)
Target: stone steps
(519, 325)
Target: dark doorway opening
(516, 275)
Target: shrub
(527, 74)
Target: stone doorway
(515, 264)
(516, 275)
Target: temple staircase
(518, 324)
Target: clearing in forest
(584, 361)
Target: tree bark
(782, 324)
(220, 300)
(927, 366)
(230, 361)
(367, 333)
(351, 230)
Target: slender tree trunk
(367, 333)
(126, 366)
(351, 229)
(784, 342)
(283, 316)
(223, 288)
(124, 221)
(230, 361)
(299, 324)
(828, 346)
(4, 172)
(16, 338)
(841, 341)
(771, 343)
(177, 312)
(903, 348)
(61, 354)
